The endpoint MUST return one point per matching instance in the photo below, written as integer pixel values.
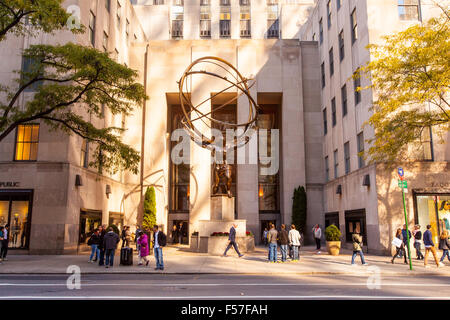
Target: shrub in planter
(249, 234)
(333, 235)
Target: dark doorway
(355, 219)
(182, 229)
(266, 224)
(332, 218)
(89, 220)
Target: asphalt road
(218, 287)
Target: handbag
(397, 242)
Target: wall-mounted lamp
(108, 190)
(78, 181)
(339, 189)
(366, 181)
(260, 192)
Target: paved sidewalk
(179, 261)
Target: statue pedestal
(222, 219)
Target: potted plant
(332, 235)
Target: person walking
(317, 232)
(272, 239)
(174, 234)
(5, 242)
(144, 250)
(357, 240)
(401, 248)
(159, 241)
(123, 235)
(294, 241)
(417, 234)
(232, 241)
(101, 247)
(284, 242)
(406, 234)
(1, 241)
(110, 242)
(265, 237)
(180, 233)
(94, 241)
(444, 245)
(429, 246)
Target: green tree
(149, 219)
(71, 84)
(410, 77)
(17, 16)
(299, 209)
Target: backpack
(90, 241)
(163, 240)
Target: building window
(347, 157)
(205, 21)
(354, 26)
(224, 2)
(408, 9)
(84, 153)
(320, 31)
(245, 22)
(244, 2)
(344, 100)
(333, 111)
(339, 4)
(329, 13)
(158, 2)
(356, 85)
(30, 70)
(327, 170)
(27, 140)
(118, 14)
(331, 58)
(325, 123)
(92, 28)
(341, 46)
(116, 55)
(426, 145)
(336, 163)
(434, 210)
(108, 5)
(322, 70)
(273, 30)
(360, 142)
(178, 2)
(105, 41)
(127, 29)
(177, 21)
(268, 185)
(205, 2)
(225, 25)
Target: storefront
(356, 220)
(15, 210)
(89, 220)
(116, 218)
(432, 209)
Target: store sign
(9, 184)
(440, 185)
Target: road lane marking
(224, 284)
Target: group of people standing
(4, 242)
(404, 234)
(178, 232)
(289, 242)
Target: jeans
(101, 260)
(273, 252)
(159, 258)
(109, 257)
(402, 250)
(4, 250)
(94, 250)
(284, 249)
(317, 243)
(419, 254)
(361, 254)
(445, 253)
(232, 243)
(295, 253)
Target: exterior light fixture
(339, 189)
(261, 192)
(366, 181)
(78, 181)
(108, 190)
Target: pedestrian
(144, 250)
(429, 246)
(94, 241)
(317, 232)
(123, 235)
(232, 241)
(272, 238)
(4, 249)
(159, 241)
(444, 245)
(174, 234)
(180, 233)
(1, 240)
(405, 237)
(357, 247)
(127, 237)
(110, 242)
(101, 247)
(294, 241)
(417, 234)
(265, 236)
(401, 247)
(284, 242)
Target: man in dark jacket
(5, 243)
(284, 242)
(232, 241)
(180, 233)
(94, 241)
(405, 237)
(159, 241)
(110, 242)
(429, 246)
(101, 247)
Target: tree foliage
(71, 74)
(299, 209)
(149, 219)
(410, 76)
(20, 17)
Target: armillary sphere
(193, 116)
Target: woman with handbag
(400, 246)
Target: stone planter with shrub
(333, 235)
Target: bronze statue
(222, 170)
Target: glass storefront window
(15, 211)
(433, 210)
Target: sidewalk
(179, 261)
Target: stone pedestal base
(217, 245)
(222, 208)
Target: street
(224, 287)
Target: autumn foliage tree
(410, 77)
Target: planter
(333, 247)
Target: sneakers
(425, 266)
(241, 255)
(147, 263)
(441, 264)
(365, 264)
(353, 264)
